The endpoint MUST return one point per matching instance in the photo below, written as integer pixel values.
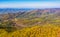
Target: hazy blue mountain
(28, 13)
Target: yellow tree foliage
(48, 30)
(3, 33)
(38, 31)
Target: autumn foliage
(48, 30)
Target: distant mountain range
(27, 13)
(15, 10)
(27, 17)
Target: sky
(29, 3)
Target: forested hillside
(30, 22)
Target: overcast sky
(29, 3)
